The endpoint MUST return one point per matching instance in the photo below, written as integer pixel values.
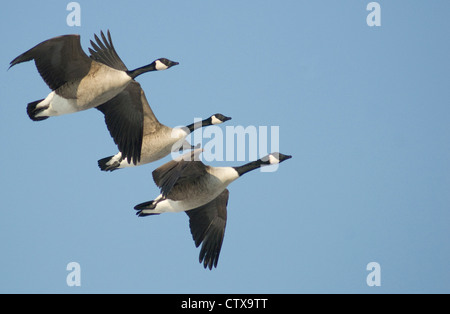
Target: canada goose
(201, 191)
(158, 141)
(77, 81)
(140, 137)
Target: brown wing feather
(105, 52)
(124, 117)
(176, 171)
(207, 224)
(58, 60)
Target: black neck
(147, 68)
(194, 126)
(249, 167)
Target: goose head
(274, 158)
(218, 118)
(163, 64)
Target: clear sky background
(363, 110)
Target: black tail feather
(143, 206)
(32, 111)
(102, 164)
(141, 214)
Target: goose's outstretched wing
(207, 224)
(124, 117)
(58, 60)
(105, 52)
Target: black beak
(283, 157)
(173, 63)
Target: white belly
(56, 106)
(166, 206)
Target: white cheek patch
(214, 120)
(273, 160)
(160, 66)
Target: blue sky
(363, 110)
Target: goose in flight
(140, 137)
(77, 81)
(188, 185)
